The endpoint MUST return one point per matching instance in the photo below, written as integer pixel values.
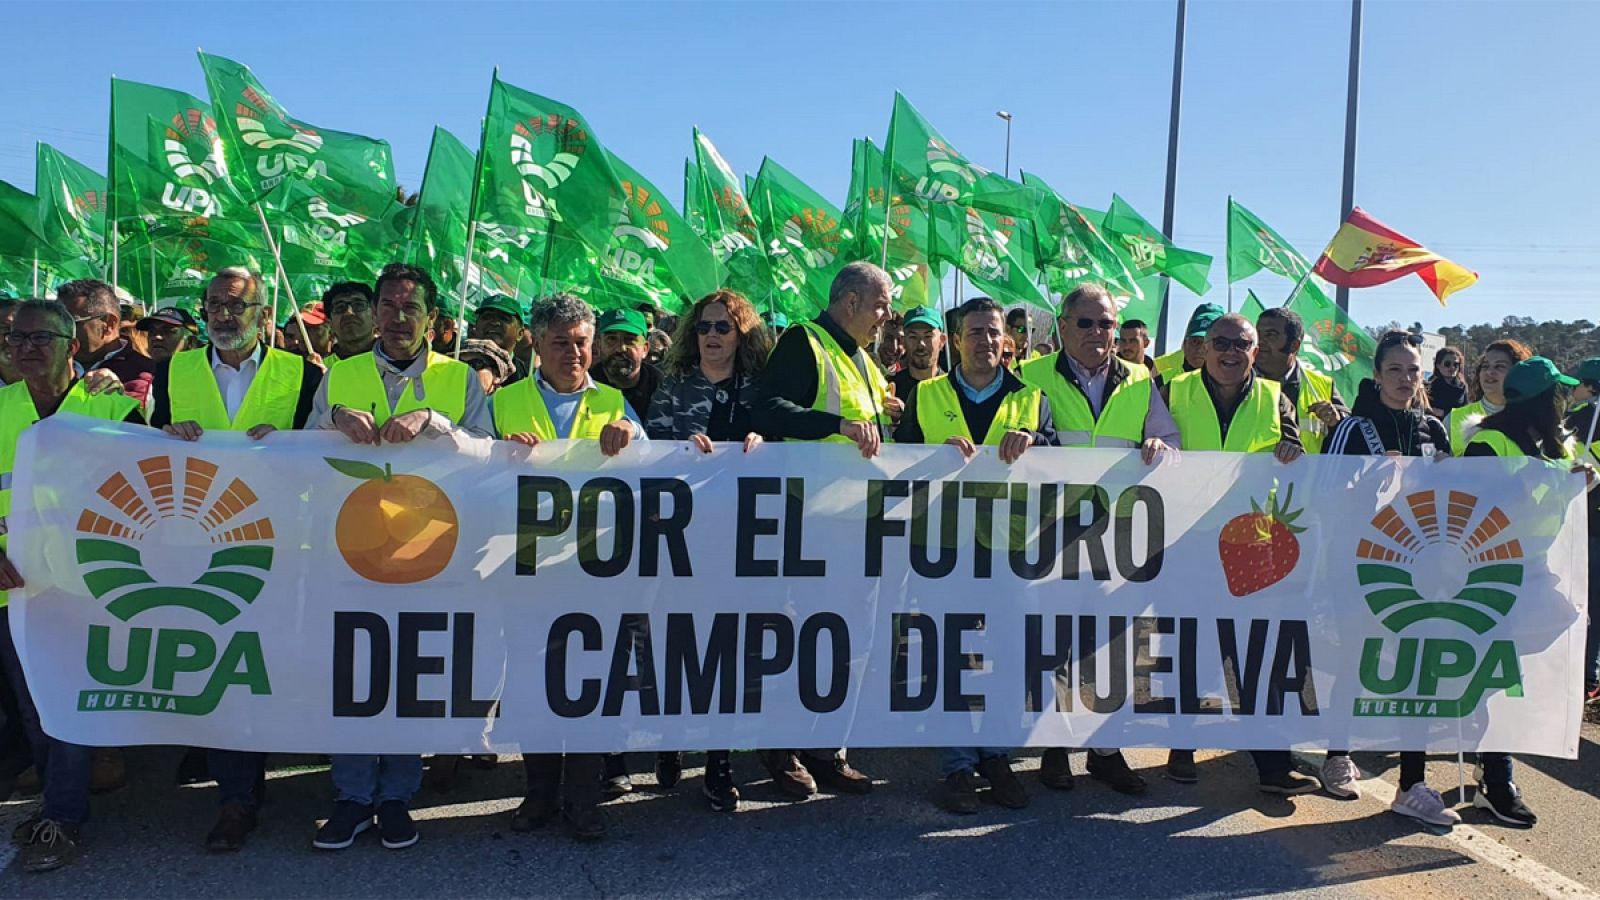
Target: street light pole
(1007, 116)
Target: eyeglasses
(1102, 324)
(340, 307)
(720, 327)
(235, 308)
(1223, 345)
(34, 338)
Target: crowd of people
(384, 363)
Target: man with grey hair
(820, 385)
(562, 402)
(97, 314)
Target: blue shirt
(972, 394)
(563, 408)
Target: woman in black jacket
(1389, 418)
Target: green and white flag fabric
(1253, 246)
(72, 202)
(1150, 250)
(1334, 344)
(928, 170)
(714, 198)
(806, 241)
(904, 225)
(996, 251)
(1252, 308)
(1074, 250)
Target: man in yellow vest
(561, 401)
(1316, 400)
(42, 344)
(238, 383)
(1225, 406)
(1098, 399)
(1190, 355)
(393, 394)
(350, 306)
(400, 390)
(820, 385)
(978, 403)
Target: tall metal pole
(1007, 116)
(1169, 208)
(1352, 96)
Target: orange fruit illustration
(394, 529)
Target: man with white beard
(236, 384)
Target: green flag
(166, 164)
(716, 198)
(72, 202)
(904, 224)
(1334, 344)
(1253, 246)
(21, 230)
(930, 171)
(1152, 252)
(266, 148)
(996, 252)
(437, 240)
(541, 168)
(804, 237)
(1073, 250)
(1252, 307)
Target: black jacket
(1402, 431)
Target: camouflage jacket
(682, 405)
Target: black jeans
(573, 777)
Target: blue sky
(1477, 133)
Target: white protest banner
(304, 594)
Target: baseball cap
(502, 304)
(172, 315)
(1204, 316)
(922, 315)
(1588, 370)
(778, 320)
(313, 314)
(628, 321)
(1532, 377)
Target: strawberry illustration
(1259, 548)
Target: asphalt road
(1220, 838)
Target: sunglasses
(721, 327)
(1398, 337)
(1223, 345)
(1102, 324)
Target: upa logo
(1437, 566)
(175, 539)
(984, 254)
(544, 151)
(814, 235)
(296, 144)
(950, 176)
(193, 152)
(639, 218)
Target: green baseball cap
(1588, 370)
(628, 321)
(1204, 316)
(923, 315)
(500, 303)
(1532, 377)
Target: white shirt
(235, 383)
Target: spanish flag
(1366, 252)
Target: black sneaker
(51, 845)
(395, 825)
(719, 789)
(1504, 802)
(21, 834)
(957, 793)
(1289, 784)
(1181, 768)
(1055, 770)
(1113, 770)
(1005, 789)
(348, 820)
(535, 812)
(669, 768)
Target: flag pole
(1168, 211)
(283, 276)
(36, 275)
(1306, 276)
(1347, 201)
(472, 214)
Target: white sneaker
(1339, 777)
(1424, 803)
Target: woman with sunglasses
(1489, 378)
(1447, 389)
(705, 397)
(1528, 425)
(1388, 419)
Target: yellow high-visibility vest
(1122, 417)
(843, 388)
(940, 418)
(520, 408)
(1255, 427)
(1458, 425)
(355, 383)
(271, 399)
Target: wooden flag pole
(283, 276)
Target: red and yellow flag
(1366, 252)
